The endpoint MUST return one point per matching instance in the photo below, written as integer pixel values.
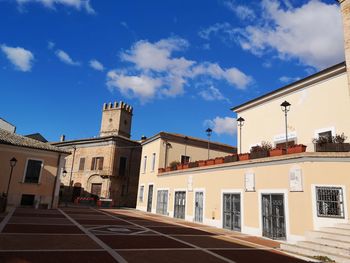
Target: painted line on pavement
(6, 219)
(112, 252)
(171, 237)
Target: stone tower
(116, 119)
(345, 10)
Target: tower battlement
(116, 105)
(116, 119)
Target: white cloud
(311, 33)
(211, 94)
(170, 74)
(21, 58)
(241, 11)
(223, 125)
(77, 4)
(95, 64)
(50, 45)
(65, 58)
(286, 79)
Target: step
(312, 252)
(322, 234)
(332, 242)
(338, 230)
(324, 248)
(343, 225)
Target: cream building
(106, 166)
(35, 173)
(302, 198)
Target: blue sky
(181, 64)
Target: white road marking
(112, 252)
(6, 219)
(171, 237)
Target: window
(97, 163)
(33, 171)
(185, 159)
(122, 166)
(142, 188)
(144, 163)
(330, 202)
(153, 161)
(81, 164)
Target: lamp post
(208, 131)
(240, 123)
(285, 106)
(13, 163)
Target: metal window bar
(330, 202)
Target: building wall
(174, 154)
(43, 190)
(319, 107)
(271, 177)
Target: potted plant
(231, 158)
(193, 164)
(260, 151)
(243, 156)
(201, 163)
(277, 152)
(219, 160)
(161, 170)
(332, 144)
(173, 165)
(297, 148)
(210, 162)
(168, 169)
(185, 165)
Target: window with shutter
(82, 164)
(33, 171)
(100, 163)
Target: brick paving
(115, 235)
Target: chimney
(62, 138)
(345, 11)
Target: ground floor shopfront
(278, 197)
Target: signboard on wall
(249, 180)
(295, 180)
(190, 183)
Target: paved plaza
(116, 235)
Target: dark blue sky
(181, 64)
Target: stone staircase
(332, 242)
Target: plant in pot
(260, 151)
(277, 151)
(231, 158)
(331, 144)
(201, 163)
(219, 160)
(297, 148)
(243, 156)
(173, 165)
(161, 170)
(210, 162)
(192, 164)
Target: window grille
(330, 202)
(141, 193)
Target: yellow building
(301, 198)
(34, 167)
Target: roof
(94, 140)
(22, 141)
(36, 136)
(319, 76)
(180, 138)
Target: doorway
(150, 198)
(162, 202)
(198, 210)
(273, 216)
(232, 211)
(96, 189)
(179, 204)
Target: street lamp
(13, 163)
(64, 173)
(240, 123)
(285, 106)
(208, 131)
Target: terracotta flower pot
(244, 156)
(193, 164)
(277, 152)
(231, 158)
(210, 162)
(179, 166)
(201, 163)
(219, 160)
(161, 170)
(298, 148)
(168, 169)
(185, 166)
